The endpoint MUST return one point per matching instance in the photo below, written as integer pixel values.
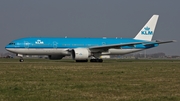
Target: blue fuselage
(38, 42)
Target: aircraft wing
(105, 47)
(115, 45)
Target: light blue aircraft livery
(82, 49)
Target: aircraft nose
(9, 47)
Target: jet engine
(81, 54)
(55, 57)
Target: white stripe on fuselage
(54, 51)
(39, 51)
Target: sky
(89, 18)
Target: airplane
(84, 49)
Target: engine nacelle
(80, 54)
(55, 57)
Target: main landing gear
(82, 60)
(91, 60)
(96, 60)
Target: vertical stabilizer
(147, 32)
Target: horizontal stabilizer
(158, 42)
(162, 42)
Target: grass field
(112, 80)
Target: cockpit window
(12, 43)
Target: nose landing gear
(21, 57)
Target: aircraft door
(26, 44)
(103, 43)
(55, 44)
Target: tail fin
(146, 33)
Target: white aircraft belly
(37, 51)
(120, 51)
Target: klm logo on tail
(147, 31)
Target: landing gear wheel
(81, 60)
(99, 60)
(96, 60)
(21, 60)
